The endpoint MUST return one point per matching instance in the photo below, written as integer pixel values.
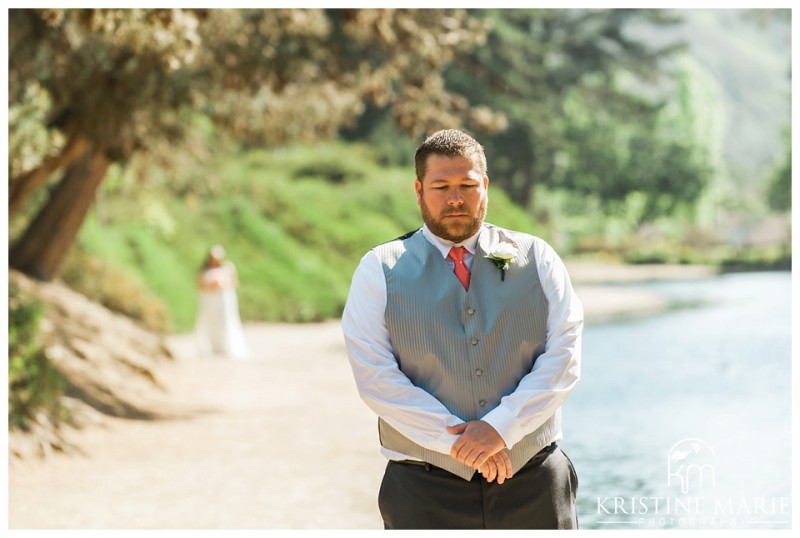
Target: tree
(655, 156)
(779, 190)
(533, 62)
(124, 82)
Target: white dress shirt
(391, 395)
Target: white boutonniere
(502, 256)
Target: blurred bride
(219, 329)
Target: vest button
(482, 403)
(471, 311)
(474, 341)
(478, 372)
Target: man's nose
(454, 197)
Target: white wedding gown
(219, 329)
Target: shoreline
(609, 292)
(587, 272)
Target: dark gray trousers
(541, 495)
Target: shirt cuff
(503, 420)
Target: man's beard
(454, 231)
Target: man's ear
(418, 189)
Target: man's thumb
(458, 429)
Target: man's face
(452, 197)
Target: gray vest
(466, 348)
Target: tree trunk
(22, 186)
(524, 193)
(522, 182)
(47, 240)
(530, 194)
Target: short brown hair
(451, 143)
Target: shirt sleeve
(382, 386)
(557, 370)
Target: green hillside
(294, 221)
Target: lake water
(683, 419)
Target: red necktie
(462, 272)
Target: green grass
(295, 221)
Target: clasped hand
(482, 448)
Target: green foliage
(34, 385)
(295, 241)
(391, 146)
(329, 166)
(769, 258)
(107, 283)
(652, 162)
(535, 59)
(779, 192)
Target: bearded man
(465, 338)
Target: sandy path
(278, 442)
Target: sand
(280, 441)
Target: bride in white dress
(219, 329)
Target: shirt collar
(444, 246)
